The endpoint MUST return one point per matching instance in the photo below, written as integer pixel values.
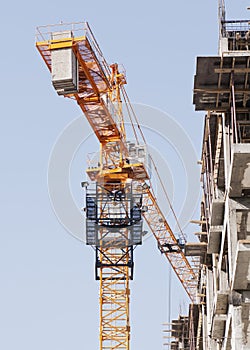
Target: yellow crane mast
(120, 193)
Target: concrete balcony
(240, 170)
(218, 326)
(214, 239)
(217, 212)
(196, 249)
(241, 266)
(221, 303)
(243, 223)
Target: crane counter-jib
(77, 73)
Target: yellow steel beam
(114, 300)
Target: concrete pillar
(236, 341)
(223, 282)
(228, 329)
(233, 237)
(226, 145)
(223, 45)
(246, 319)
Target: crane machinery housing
(120, 193)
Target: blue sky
(48, 297)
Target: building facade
(222, 90)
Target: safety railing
(243, 131)
(44, 33)
(231, 27)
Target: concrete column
(246, 319)
(236, 341)
(226, 145)
(223, 282)
(228, 329)
(232, 237)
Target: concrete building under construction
(221, 319)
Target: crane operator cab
(114, 214)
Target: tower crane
(120, 194)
